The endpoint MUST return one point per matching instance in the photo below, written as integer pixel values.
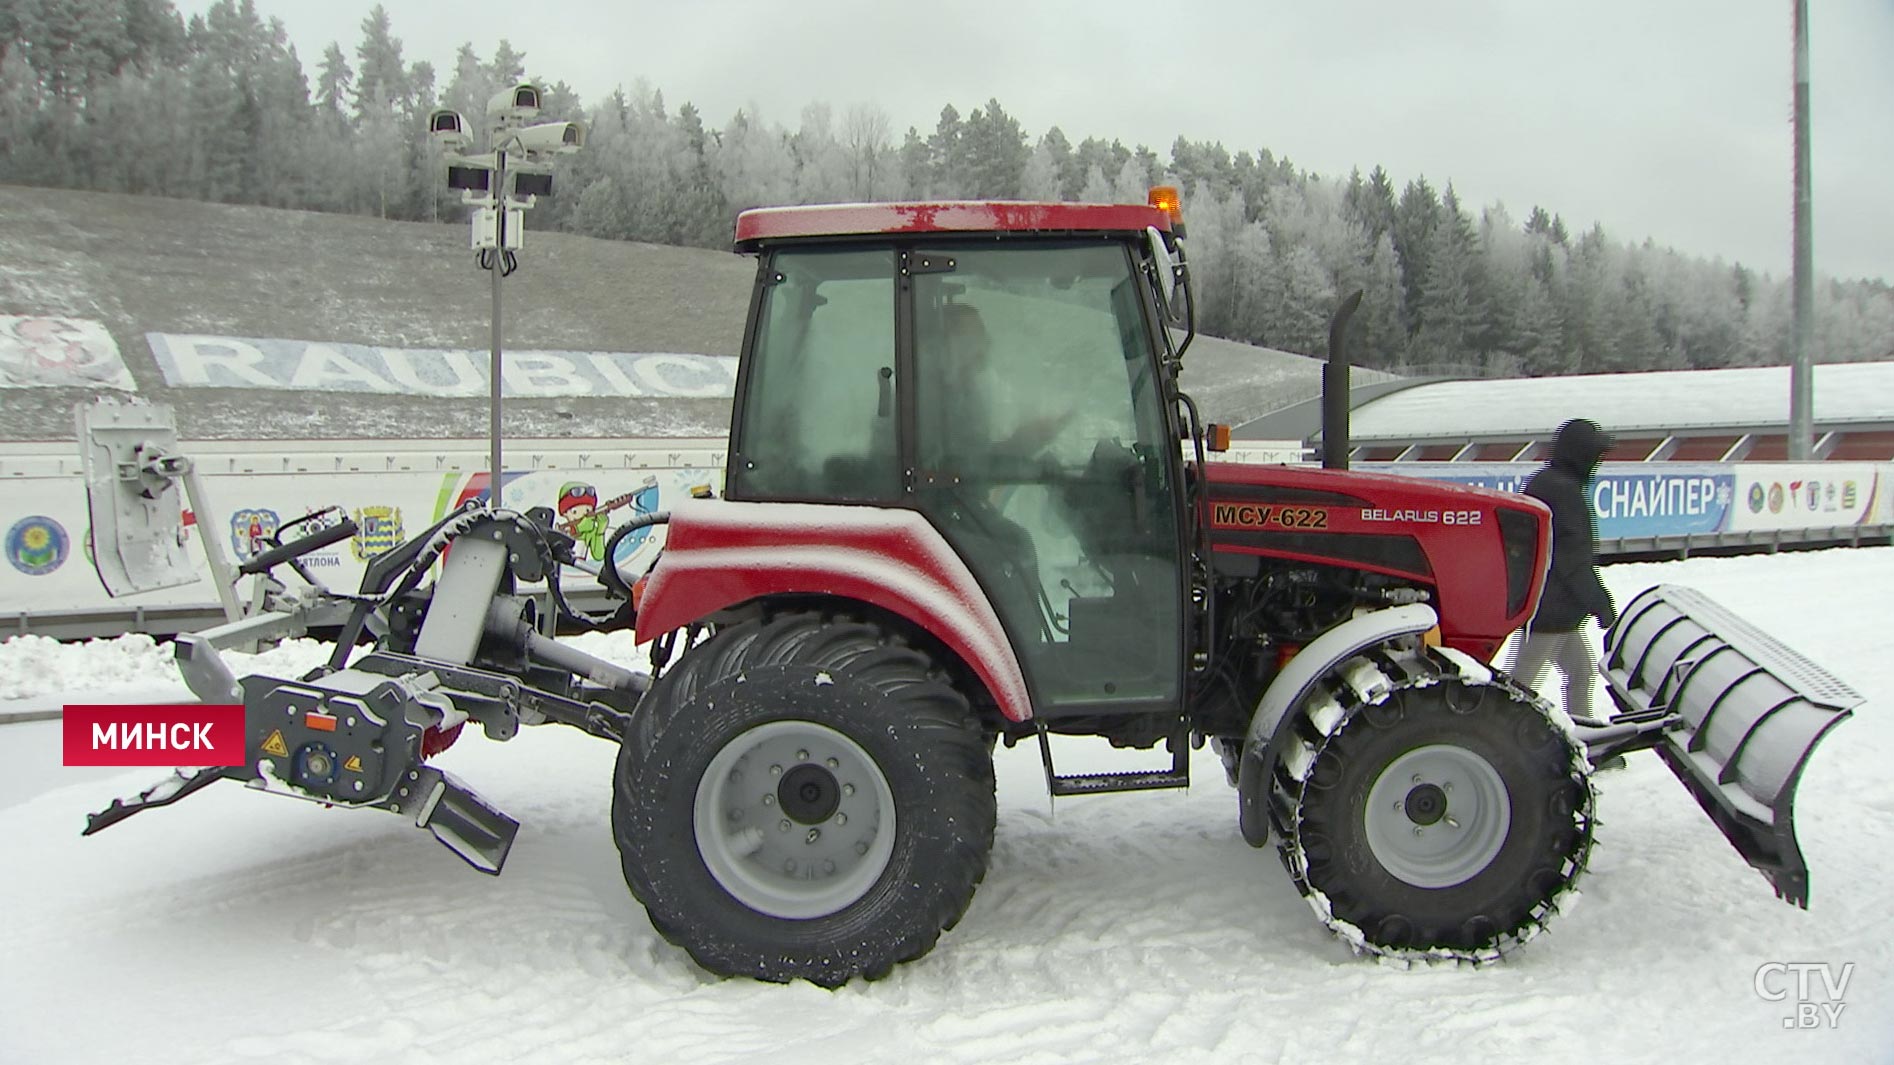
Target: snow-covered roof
(1670, 401)
(951, 216)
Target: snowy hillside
(141, 265)
(238, 927)
(273, 282)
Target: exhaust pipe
(1335, 387)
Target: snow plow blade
(1740, 715)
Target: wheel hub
(1437, 816)
(794, 819)
(809, 794)
(1426, 804)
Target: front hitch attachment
(359, 733)
(353, 739)
(182, 781)
(467, 824)
(1732, 711)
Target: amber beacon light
(1166, 199)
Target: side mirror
(1166, 266)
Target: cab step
(1177, 776)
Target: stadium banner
(192, 361)
(1633, 500)
(40, 351)
(1809, 495)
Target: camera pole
(493, 366)
(486, 174)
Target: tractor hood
(1483, 553)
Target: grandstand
(1701, 461)
(1729, 415)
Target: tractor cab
(1002, 372)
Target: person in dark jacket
(1573, 590)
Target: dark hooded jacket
(1573, 590)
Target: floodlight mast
(1802, 271)
(508, 111)
(497, 193)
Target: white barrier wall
(394, 489)
(391, 489)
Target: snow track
(238, 927)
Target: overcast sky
(1666, 119)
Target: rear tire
(848, 737)
(1443, 819)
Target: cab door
(1040, 449)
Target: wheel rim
(1437, 816)
(794, 819)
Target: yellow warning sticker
(275, 745)
(354, 764)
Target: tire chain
(1406, 670)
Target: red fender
(719, 553)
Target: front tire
(1445, 818)
(804, 798)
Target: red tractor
(967, 503)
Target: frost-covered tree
(602, 212)
(1041, 180)
(993, 153)
(867, 152)
(917, 166)
(335, 84)
(1306, 300)
(1200, 164)
(1380, 325)
(754, 164)
(947, 155)
(1107, 157)
(1449, 311)
(124, 95)
(1258, 295)
(1216, 221)
(821, 163)
(1071, 178)
(1132, 184)
(381, 76)
(1415, 218)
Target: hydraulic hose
(608, 566)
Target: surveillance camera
(444, 120)
(516, 104)
(549, 137)
(450, 130)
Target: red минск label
(155, 735)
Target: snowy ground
(239, 927)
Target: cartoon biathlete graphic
(581, 518)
